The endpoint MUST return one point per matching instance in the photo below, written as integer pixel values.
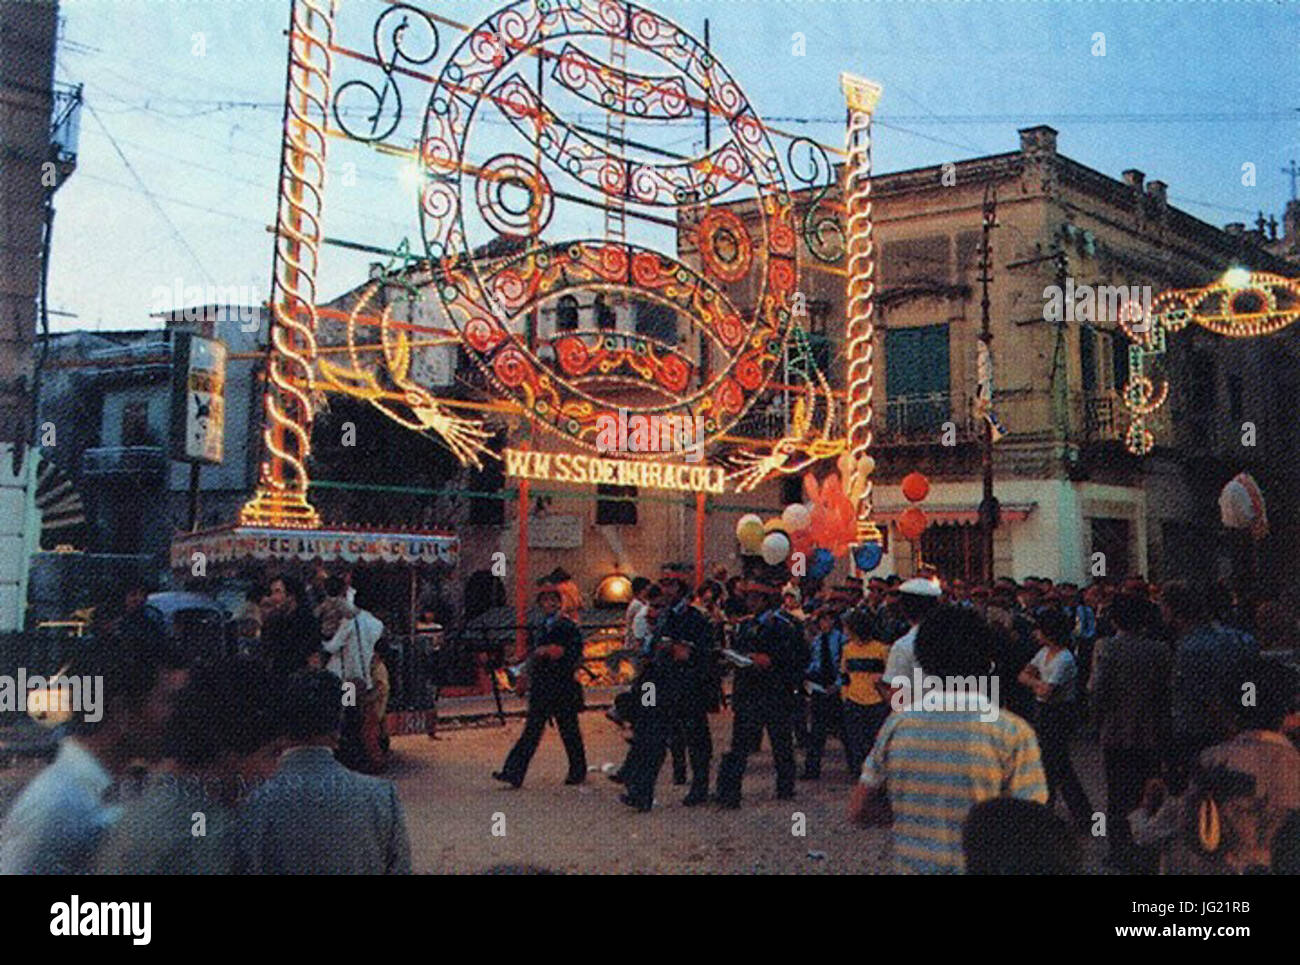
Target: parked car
(195, 622)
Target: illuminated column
(861, 96)
(281, 497)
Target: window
(490, 479)
(916, 379)
(605, 319)
(618, 508)
(791, 489)
(1088, 358)
(1119, 359)
(135, 424)
(819, 339)
(656, 321)
(1200, 382)
(566, 314)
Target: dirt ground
(453, 806)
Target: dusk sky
(191, 92)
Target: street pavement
(461, 820)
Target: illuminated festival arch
(471, 200)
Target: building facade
(1075, 504)
(38, 127)
(106, 410)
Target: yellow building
(1067, 487)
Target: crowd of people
(244, 762)
(216, 767)
(1196, 729)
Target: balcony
(1104, 417)
(919, 419)
(65, 129)
(124, 461)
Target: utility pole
(988, 504)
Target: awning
(260, 543)
(959, 514)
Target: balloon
(867, 556)
(796, 517)
(749, 531)
(776, 547)
(1241, 506)
(821, 563)
(912, 523)
(803, 542)
(774, 524)
(915, 487)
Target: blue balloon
(867, 556)
(822, 562)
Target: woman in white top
(1053, 676)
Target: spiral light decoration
(861, 96)
(1240, 304)
(281, 497)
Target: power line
(149, 194)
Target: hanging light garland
(1240, 304)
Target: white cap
(919, 586)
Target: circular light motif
(485, 77)
(514, 196)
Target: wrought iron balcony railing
(922, 418)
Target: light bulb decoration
(803, 444)
(281, 496)
(481, 289)
(488, 301)
(399, 397)
(1240, 304)
(861, 97)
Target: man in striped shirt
(929, 767)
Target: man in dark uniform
(823, 672)
(554, 653)
(764, 693)
(680, 661)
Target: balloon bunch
(913, 521)
(769, 540)
(821, 527)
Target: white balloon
(776, 547)
(797, 516)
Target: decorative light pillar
(861, 96)
(281, 497)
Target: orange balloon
(915, 487)
(912, 523)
